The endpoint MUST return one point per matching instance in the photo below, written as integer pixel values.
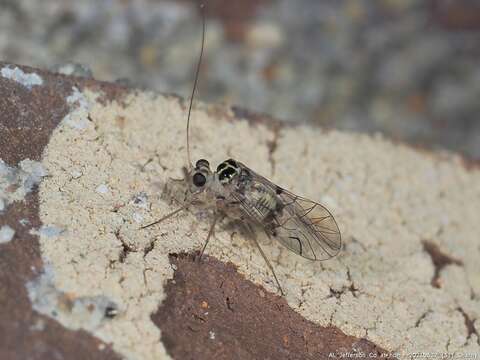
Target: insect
(235, 191)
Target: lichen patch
(6, 234)
(16, 74)
(17, 182)
(73, 312)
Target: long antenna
(197, 72)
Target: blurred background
(407, 68)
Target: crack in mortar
(439, 260)
(470, 325)
(126, 247)
(338, 293)
(351, 288)
(421, 318)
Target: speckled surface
(29, 115)
(387, 198)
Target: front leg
(216, 216)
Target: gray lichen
(48, 231)
(6, 234)
(17, 182)
(17, 74)
(73, 312)
(77, 117)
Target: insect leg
(210, 232)
(254, 237)
(166, 216)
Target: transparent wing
(307, 228)
(303, 226)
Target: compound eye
(202, 163)
(199, 179)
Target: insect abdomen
(264, 202)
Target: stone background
(407, 68)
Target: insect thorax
(261, 201)
(227, 170)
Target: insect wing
(307, 228)
(303, 226)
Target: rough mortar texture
(114, 173)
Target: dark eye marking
(202, 163)
(278, 190)
(221, 166)
(232, 162)
(226, 173)
(199, 179)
